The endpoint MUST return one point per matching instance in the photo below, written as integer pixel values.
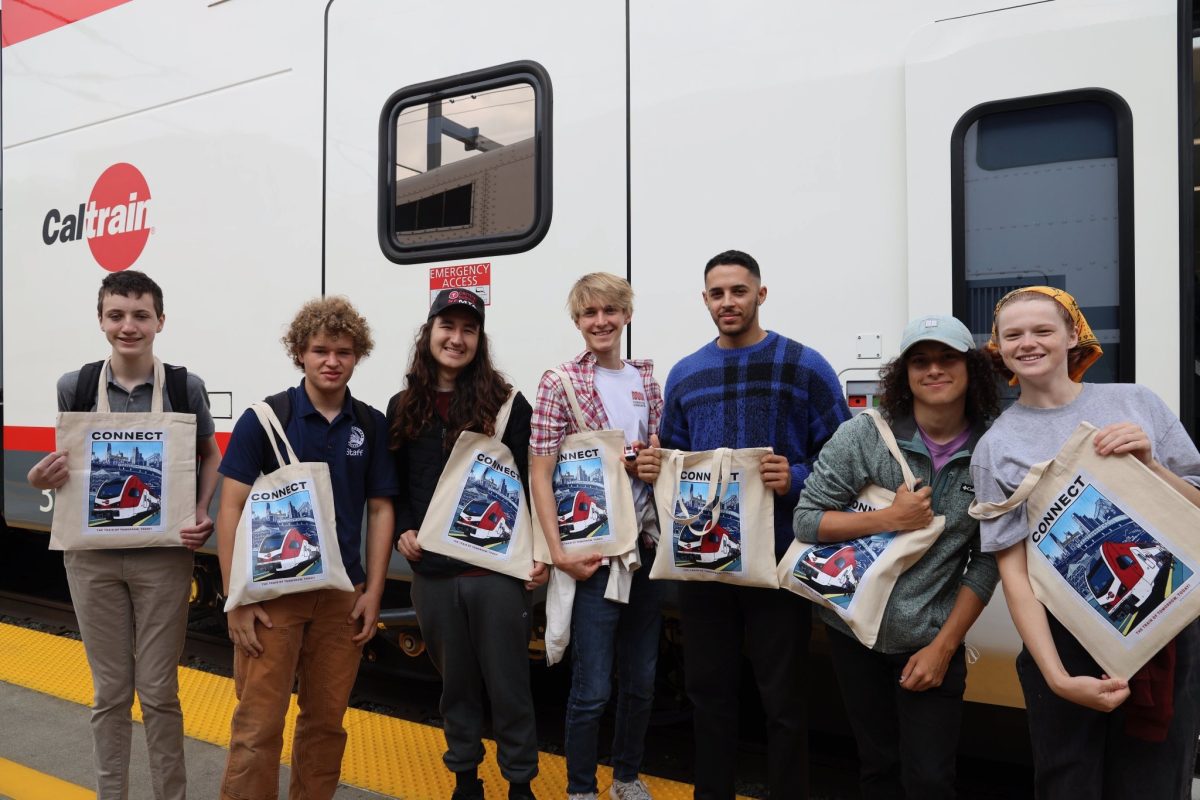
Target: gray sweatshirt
(1024, 436)
(924, 595)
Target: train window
(465, 165)
(1042, 193)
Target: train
(578, 514)
(1123, 575)
(880, 160)
(830, 569)
(286, 551)
(484, 520)
(124, 498)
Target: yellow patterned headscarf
(1082, 355)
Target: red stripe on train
(25, 19)
(41, 440)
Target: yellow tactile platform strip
(22, 783)
(386, 755)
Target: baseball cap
(450, 298)
(937, 328)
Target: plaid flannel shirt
(552, 418)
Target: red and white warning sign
(476, 277)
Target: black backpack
(281, 404)
(89, 381)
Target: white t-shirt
(623, 396)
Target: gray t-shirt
(1024, 436)
(138, 400)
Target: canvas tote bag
(1112, 551)
(592, 492)
(286, 538)
(855, 578)
(722, 518)
(132, 476)
(479, 512)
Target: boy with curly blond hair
(315, 636)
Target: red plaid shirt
(552, 417)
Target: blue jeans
(601, 630)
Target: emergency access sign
(476, 277)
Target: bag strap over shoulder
(270, 423)
(156, 394)
(889, 439)
(1083, 432)
(572, 400)
(503, 414)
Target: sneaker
(582, 796)
(629, 790)
(520, 791)
(468, 789)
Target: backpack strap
(364, 418)
(87, 386)
(176, 386)
(281, 405)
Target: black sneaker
(470, 789)
(520, 791)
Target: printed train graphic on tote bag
(1111, 561)
(125, 480)
(582, 497)
(486, 513)
(704, 544)
(283, 534)
(834, 571)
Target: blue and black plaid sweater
(775, 393)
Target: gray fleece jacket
(924, 595)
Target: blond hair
(603, 287)
(332, 316)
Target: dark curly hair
(479, 391)
(983, 398)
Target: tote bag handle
(503, 414)
(156, 391)
(889, 439)
(722, 459)
(993, 510)
(572, 400)
(270, 423)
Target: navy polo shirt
(356, 472)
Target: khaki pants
(309, 640)
(132, 611)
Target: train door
(1023, 130)
(479, 148)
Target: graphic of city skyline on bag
(1112, 551)
(855, 578)
(286, 538)
(479, 512)
(722, 518)
(592, 494)
(132, 475)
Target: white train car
(880, 159)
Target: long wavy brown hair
(479, 391)
(983, 398)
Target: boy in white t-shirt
(613, 393)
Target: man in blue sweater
(748, 388)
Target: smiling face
(130, 324)
(328, 362)
(937, 375)
(733, 296)
(601, 322)
(1034, 340)
(453, 341)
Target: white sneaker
(582, 796)
(629, 790)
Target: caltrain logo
(114, 221)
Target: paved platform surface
(45, 688)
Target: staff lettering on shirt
(492, 463)
(282, 491)
(127, 436)
(579, 455)
(1060, 505)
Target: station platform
(46, 751)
